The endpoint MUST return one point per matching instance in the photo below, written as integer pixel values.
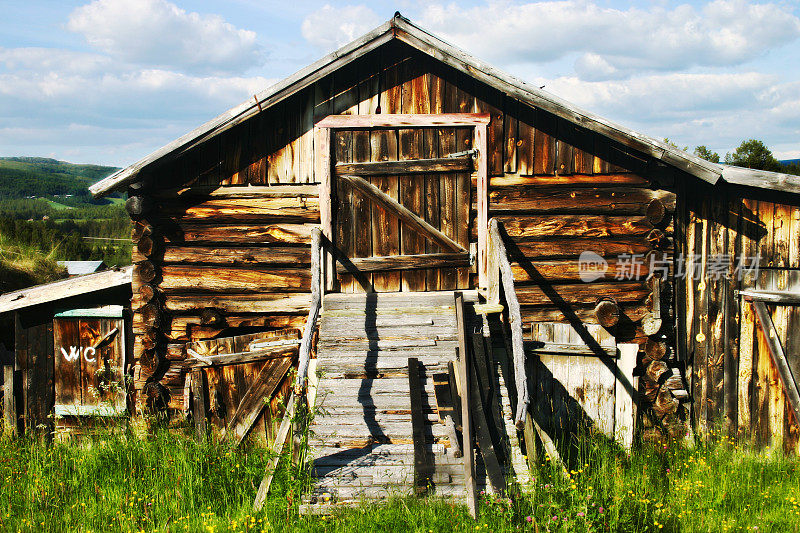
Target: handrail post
(304, 354)
(506, 276)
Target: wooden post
(466, 423)
(422, 461)
(625, 402)
(492, 266)
(323, 171)
(198, 385)
(9, 399)
(277, 449)
(483, 202)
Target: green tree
(753, 154)
(667, 141)
(704, 152)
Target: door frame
(323, 161)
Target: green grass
(170, 483)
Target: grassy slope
(36, 176)
(170, 483)
(24, 265)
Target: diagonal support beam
(403, 213)
(778, 357)
(256, 398)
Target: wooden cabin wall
(33, 347)
(738, 389)
(233, 259)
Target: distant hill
(787, 162)
(50, 179)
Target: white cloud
(613, 43)
(718, 110)
(666, 96)
(332, 27)
(158, 33)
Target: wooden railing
(499, 274)
(304, 356)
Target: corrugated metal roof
(76, 268)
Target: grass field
(171, 483)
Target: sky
(109, 81)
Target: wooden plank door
(400, 201)
(89, 359)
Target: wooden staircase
(380, 421)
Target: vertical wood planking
(716, 285)
(306, 144)
(386, 227)
(525, 139)
(68, 373)
(91, 331)
(276, 165)
(489, 100)
(544, 143)
(257, 149)
(450, 98)
(482, 192)
(322, 160)
(625, 412)
(565, 152)
(511, 135)
(345, 216)
(415, 99)
(732, 327)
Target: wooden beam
(568, 349)
(405, 166)
(402, 262)
(277, 449)
(286, 351)
(493, 470)
(771, 297)
(400, 211)
(778, 357)
(466, 409)
(256, 398)
(49, 292)
(423, 466)
(404, 120)
(515, 323)
(322, 160)
(239, 192)
(198, 385)
(9, 400)
(482, 191)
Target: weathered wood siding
(735, 385)
(559, 190)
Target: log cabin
(405, 208)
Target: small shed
(70, 355)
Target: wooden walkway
(375, 418)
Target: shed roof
(76, 268)
(404, 30)
(65, 288)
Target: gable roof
(65, 288)
(404, 30)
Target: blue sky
(109, 81)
